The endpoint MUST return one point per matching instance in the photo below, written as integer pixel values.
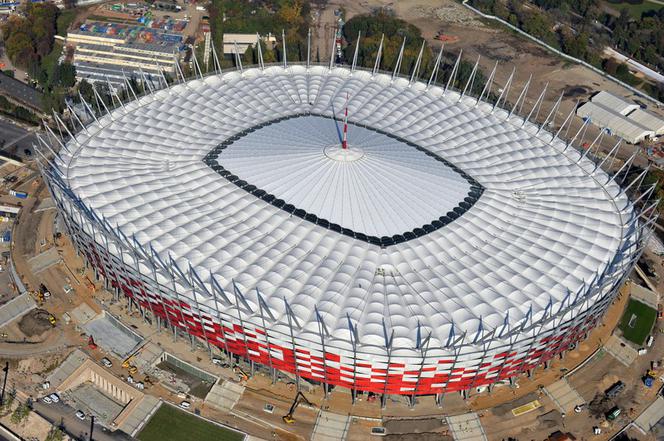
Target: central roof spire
(344, 142)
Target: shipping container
(9, 210)
(18, 194)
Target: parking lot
(90, 400)
(61, 414)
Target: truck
(615, 390)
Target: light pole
(4, 383)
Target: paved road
(62, 414)
(20, 91)
(16, 139)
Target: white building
(243, 41)
(621, 117)
(617, 123)
(649, 120)
(615, 103)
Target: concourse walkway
(466, 427)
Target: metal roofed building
(613, 102)
(618, 124)
(450, 246)
(649, 120)
(243, 42)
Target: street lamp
(4, 383)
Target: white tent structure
(621, 117)
(453, 244)
(615, 103)
(618, 124)
(649, 120)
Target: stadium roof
(379, 185)
(547, 220)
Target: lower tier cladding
(393, 377)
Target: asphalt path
(62, 415)
(20, 91)
(14, 139)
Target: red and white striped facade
(409, 351)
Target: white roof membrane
(379, 185)
(546, 223)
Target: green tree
(64, 75)
(55, 434)
(20, 413)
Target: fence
(564, 55)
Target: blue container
(18, 194)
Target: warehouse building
(649, 120)
(621, 117)
(244, 41)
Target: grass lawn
(172, 424)
(635, 10)
(637, 321)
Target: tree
(575, 45)
(20, 413)
(64, 75)
(30, 37)
(55, 434)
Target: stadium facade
(454, 244)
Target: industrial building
(114, 52)
(622, 118)
(444, 245)
(244, 41)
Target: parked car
(80, 415)
(54, 397)
(47, 400)
(106, 362)
(615, 390)
(185, 404)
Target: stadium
(435, 243)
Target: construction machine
(127, 364)
(242, 375)
(299, 398)
(127, 361)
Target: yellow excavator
(299, 398)
(242, 375)
(126, 364)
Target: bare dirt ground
(34, 323)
